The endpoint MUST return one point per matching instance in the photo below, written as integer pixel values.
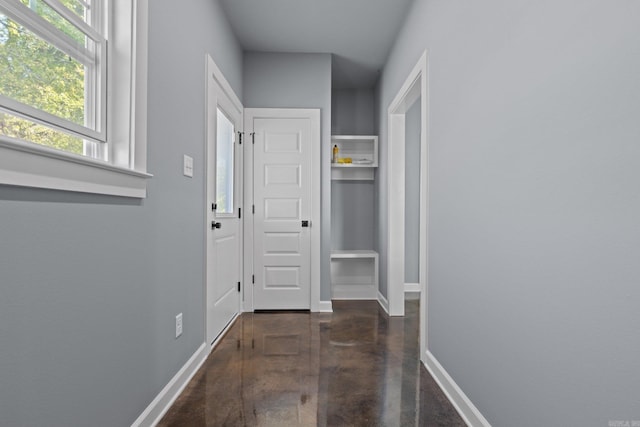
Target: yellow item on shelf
(344, 160)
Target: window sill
(30, 165)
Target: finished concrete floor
(354, 367)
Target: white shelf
(354, 254)
(354, 274)
(351, 165)
(358, 148)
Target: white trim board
(219, 77)
(467, 410)
(29, 165)
(382, 300)
(325, 307)
(412, 287)
(163, 401)
(415, 87)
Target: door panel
(282, 243)
(282, 209)
(276, 277)
(282, 175)
(282, 198)
(226, 272)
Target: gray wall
(352, 112)
(412, 195)
(290, 80)
(352, 215)
(90, 285)
(534, 203)
(352, 202)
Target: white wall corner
(325, 307)
(382, 300)
(412, 287)
(467, 410)
(163, 401)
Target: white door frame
(414, 87)
(220, 84)
(314, 115)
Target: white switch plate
(178, 325)
(188, 166)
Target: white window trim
(32, 165)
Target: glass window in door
(224, 164)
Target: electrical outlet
(178, 325)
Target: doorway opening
(413, 90)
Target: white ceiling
(360, 33)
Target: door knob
(306, 223)
(215, 225)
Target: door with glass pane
(224, 230)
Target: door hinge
(253, 137)
(214, 206)
(238, 286)
(239, 213)
(240, 137)
(253, 279)
(253, 209)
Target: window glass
(37, 74)
(27, 130)
(52, 80)
(79, 7)
(224, 164)
(55, 19)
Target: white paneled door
(282, 197)
(224, 195)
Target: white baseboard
(467, 410)
(357, 292)
(412, 287)
(325, 307)
(163, 401)
(382, 300)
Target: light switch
(188, 166)
(178, 325)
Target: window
(52, 62)
(58, 126)
(224, 164)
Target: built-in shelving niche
(361, 150)
(354, 263)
